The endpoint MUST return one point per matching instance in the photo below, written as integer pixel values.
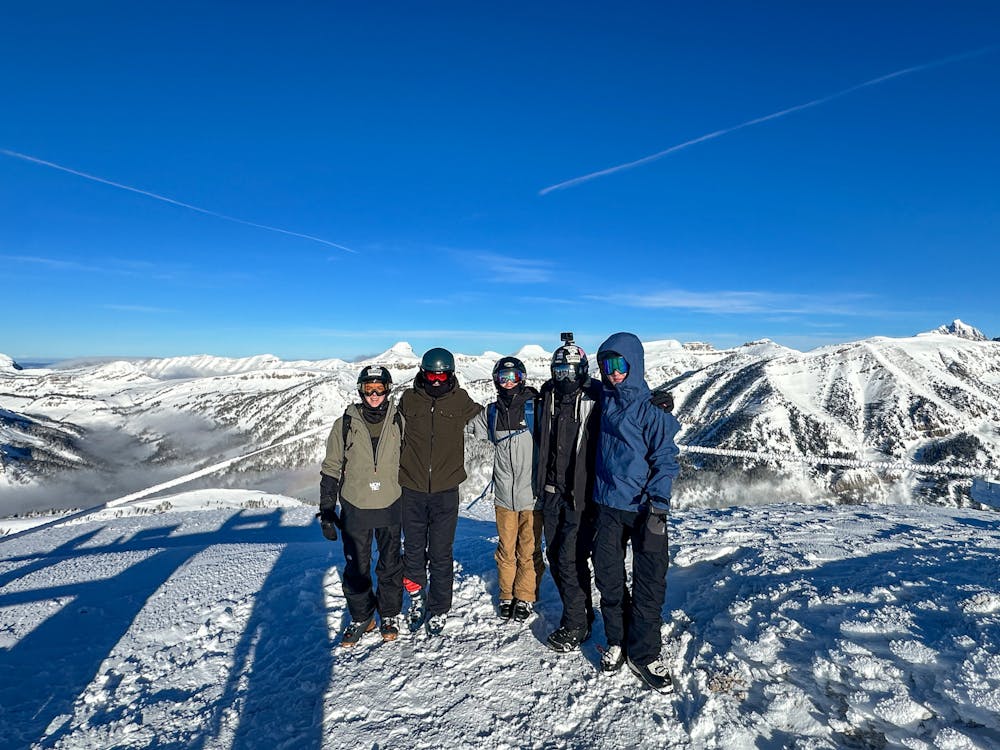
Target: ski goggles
(564, 372)
(436, 377)
(373, 389)
(508, 375)
(614, 364)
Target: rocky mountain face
(962, 330)
(933, 398)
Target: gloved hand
(656, 522)
(328, 522)
(663, 399)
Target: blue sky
(405, 150)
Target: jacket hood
(629, 346)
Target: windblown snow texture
(211, 620)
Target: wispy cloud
(461, 297)
(172, 201)
(54, 263)
(554, 301)
(108, 266)
(508, 269)
(766, 118)
(138, 308)
(744, 302)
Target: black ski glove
(328, 523)
(663, 399)
(656, 522)
(329, 494)
(655, 529)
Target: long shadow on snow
(42, 675)
(282, 664)
(284, 652)
(287, 654)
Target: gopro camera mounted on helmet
(569, 364)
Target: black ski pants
(569, 541)
(362, 602)
(631, 619)
(429, 523)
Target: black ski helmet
(374, 374)
(509, 364)
(575, 357)
(437, 360)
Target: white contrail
(165, 199)
(765, 118)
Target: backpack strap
(491, 421)
(343, 463)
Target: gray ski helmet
(509, 364)
(575, 357)
(437, 360)
(375, 374)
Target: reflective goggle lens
(374, 389)
(436, 377)
(611, 364)
(563, 372)
(509, 376)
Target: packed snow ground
(211, 620)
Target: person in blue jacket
(636, 466)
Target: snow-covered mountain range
(69, 437)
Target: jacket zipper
(430, 455)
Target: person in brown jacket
(431, 467)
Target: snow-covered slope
(788, 626)
(933, 398)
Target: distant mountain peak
(531, 351)
(399, 353)
(962, 330)
(402, 347)
(7, 363)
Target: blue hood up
(637, 455)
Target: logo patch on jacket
(376, 486)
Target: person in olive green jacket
(431, 467)
(361, 469)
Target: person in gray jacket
(508, 424)
(361, 470)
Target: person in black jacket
(569, 419)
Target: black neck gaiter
(374, 414)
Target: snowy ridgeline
(80, 435)
(786, 626)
